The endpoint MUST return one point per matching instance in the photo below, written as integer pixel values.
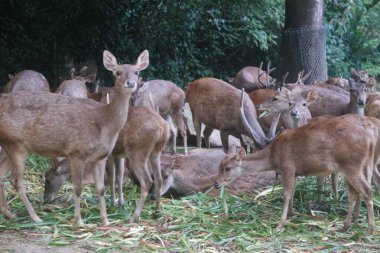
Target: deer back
(27, 80)
(216, 104)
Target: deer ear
(312, 96)
(143, 60)
(10, 76)
(231, 150)
(241, 154)
(285, 92)
(109, 60)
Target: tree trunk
(304, 40)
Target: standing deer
(27, 80)
(141, 142)
(214, 103)
(169, 100)
(342, 144)
(54, 125)
(252, 78)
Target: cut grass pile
(197, 223)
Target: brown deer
(252, 78)
(338, 82)
(27, 80)
(169, 100)
(189, 174)
(214, 103)
(53, 125)
(141, 141)
(334, 103)
(75, 87)
(342, 144)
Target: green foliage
(186, 39)
(354, 38)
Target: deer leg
(18, 159)
(224, 138)
(5, 167)
(111, 175)
(156, 167)
(198, 129)
(120, 168)
(335, 185)
(174, 132)
(99, 183)
(358, 185)
(142, 174)
(206, 134)
(178, 120)
(76, 171)
(288, 182)
(291, 205)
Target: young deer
(141, 141)
(53, 125)
(27, 80)
(214, 103)
(168, 99)
(342, 144)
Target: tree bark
(303, 13)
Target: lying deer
(53, 125)
(214, 103)
(27, 80)
(342, 144)
(189, 174)
(168, 99)
(141, 141)
(252, 78)
(75, 87)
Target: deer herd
(119, 134)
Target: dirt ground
(29, 242)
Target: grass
(197, 223)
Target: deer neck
(354, 108)
(116, 112)
(257, 162)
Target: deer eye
(304, 104)
(274, 99)
(290, 103)
(137, 73)
(165, 177)
(228, 169)
(118, 73)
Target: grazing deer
(252, 78)
(169, 100)
(342, 144)
(214, 103)
(53, 125)
(141, 142)
(27, 80)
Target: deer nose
(131, 83)
(294, 113)
(361, 102)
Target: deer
(76, 86)
(252, 78)
(53, 125)
(193, 173)
(340, 82)
(27, 80)
(294, 112)
(141, 142)
(214, 103)
(169, 100)
(342, 144)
